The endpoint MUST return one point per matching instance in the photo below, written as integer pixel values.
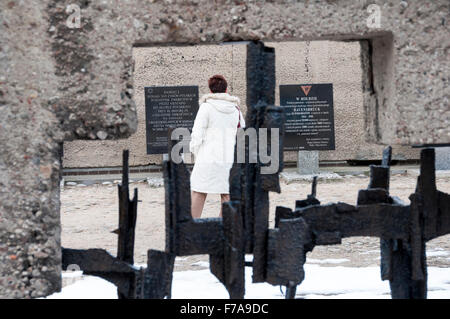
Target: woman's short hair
(217, 84)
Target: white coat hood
(222, 102)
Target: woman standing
(212, 142)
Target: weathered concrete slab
(308, 162)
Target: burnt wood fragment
(158, 275)
(279, 253)
(127, 220)
(330, 223)
(229, 266)
(184, 234)
(260, 229)
(260, 75)
(286, 252)
(127, 216)
(387, 156)
(378, 192)
(444, 214)
(98, 262)
(379, 177)
(373, 196)
(311, 198)
(282, 212)
(426, 186)
(260, 211)
(247, 204)
(273, 120)
(199, 236)
(267, 117)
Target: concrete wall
(338, 63)
(296, 62)
(163, 66)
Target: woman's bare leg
(198, 201)
(223, 198)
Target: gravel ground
(89, 214)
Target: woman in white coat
(212, 142)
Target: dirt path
(89, 214)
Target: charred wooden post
(404, 262)
(387, 156)
(408, 262)
(311, 198)
(127, 222)
(132, 283)
(267, 117)
(157, 278)
(229, 266)
(260, 94)
(185, 235)
(279, 254)
(287, 247)
(313, 187)
(98, 262)
(378, 192)
(287, 213)
(395, 253)
(396, 263)
(403, 231)
(435, 204)
(260, 77)
(244, 227)
(249, 186)
(284, 214)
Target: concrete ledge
(110, 170)
(292, 177)
(72, 180)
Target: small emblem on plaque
(306, 89)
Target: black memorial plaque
(165, 107)
(309, 115)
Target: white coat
(212, 142)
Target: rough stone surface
(442, 158)
(308, 162)
(60, 83)
(29, 166)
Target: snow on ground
(88, 288)
(327, 261)
(320, 282)
(436, 253)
